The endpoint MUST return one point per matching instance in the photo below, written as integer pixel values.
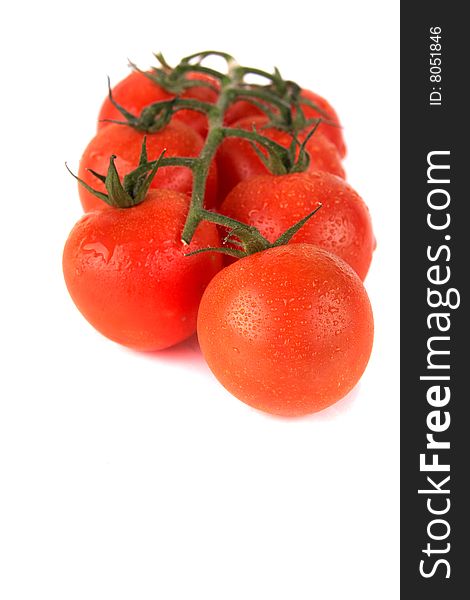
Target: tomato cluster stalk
(279, 100)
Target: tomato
(126, 142)
(288, 330)
(237, 160)
(332, 131)
(137, 91)
(127, 272)
(240, 110)
(274, 203)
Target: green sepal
(161, 59)
(250, 238)
(156, 116)
(152, 118)
(174, 80)
(134, 186)
(133, 180)
(289, 233)
(102, 178)
(144, 186)
(96, 193)
(272, 162)
(278, 83)
(114, 187)
(303, 161)
(130, 118)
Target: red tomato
(137, 91)
(333, 132)
(126, 143)
(288, 330)
(237, 160)
(239, 110)
(274, 203)
(127, 272)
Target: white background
(129, 476)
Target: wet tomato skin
(126, 142)
(127, 272)
(288, 331)
(237, 160)
(239, 110)
(136, 91)
(273, 203)
(332, 129)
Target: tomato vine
(278, 99)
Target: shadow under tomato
(186, 352)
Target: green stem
(259, 93)
(168, 161)
(280, 86)
(202, 55)
(192, 104)
(260, 72)
(133, 188)
(156, 115)
(214, 138)
(254, 136)
(223, 220)
(253, 240)
(201, 69)
(232, 88)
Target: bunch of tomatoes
(218, 205)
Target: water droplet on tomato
(98, 249)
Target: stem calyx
(133, 187)
(246, 239)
